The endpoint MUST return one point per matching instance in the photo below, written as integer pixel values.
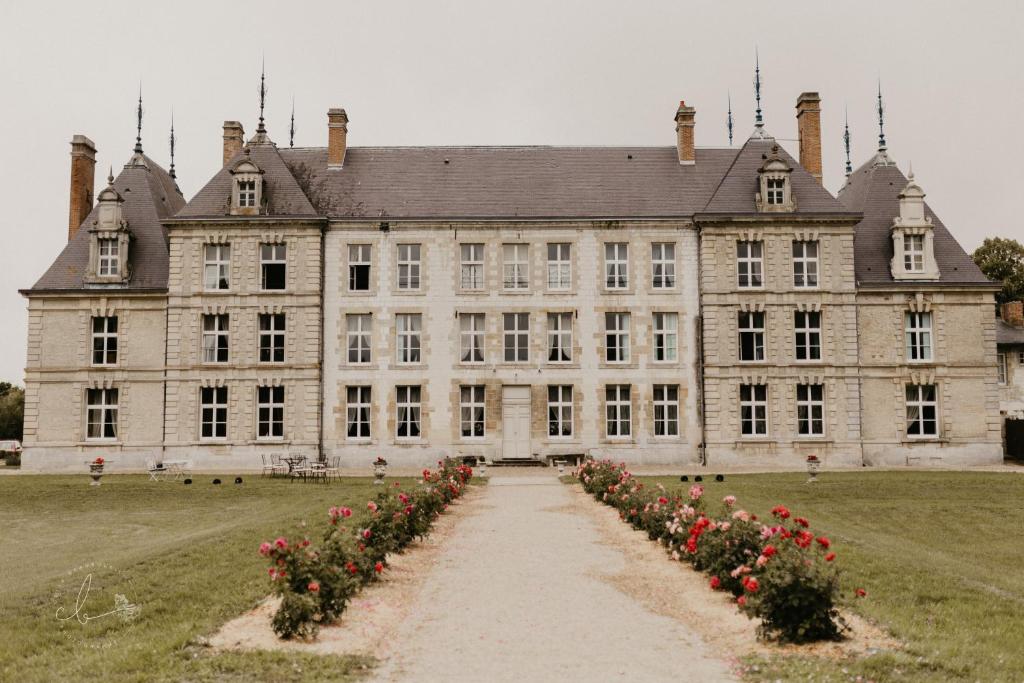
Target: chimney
(337, 137)
(234, 139)
(83, 175)
(1012, 313)
(808, 123)
(684, 134)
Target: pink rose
(265, 548)
(281, 542)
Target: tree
(1003, 260)
(12, 411)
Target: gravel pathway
(517, 595)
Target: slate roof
(1008, 335)
(150, 195)
(874, 189)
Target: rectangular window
(616, 265)
(750, 264)
(751, 329)
(919, 337)
(408, 406)
(754, 409)
(215, 338)
(471, 333)
(109, 262)
(517, 337)
(805, 264)
(471, 411)
(776, 188)
(922, 411)
(666, 410)
(516, 265)
(104, 340)
(913, 253)
(559, 266)
(472, 266)
(101, 414)
(616, 337)
(357, 412)
(216, 266)
(408, 266)
(666, 336)
(359, 267)
(269, 412)
(272, 331)
(618, 420)
(559, 337)
(663, 265)
(246, 193)
(407, 328)
(810, 409)
(1001, 367)
(807, 328)
(213, 412)
(560, 410)
(273, 266)
(358, 328)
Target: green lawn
(940, 554)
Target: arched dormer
(775, 192)
(246, 187)
(109, 238)
(913, 237)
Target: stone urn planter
(96, 470)
(813, 465)
(380, 468)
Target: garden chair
(301, 470)
(156, 470)
(318, 470)
(280, 467)
(333, 469)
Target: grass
(185, 554)
(940, 555)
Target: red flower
(780, 511)
(861, 593)
(716, 583)
(379, 567)
(830, 557)
(802, 522)
(751, 584)
(769, 550)
(741, 601)
(367, 533)
(824, 542)
(352, 569)
(803, 539)
(691, 544)
(663, 500)
(313, 587)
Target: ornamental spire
(846, 142)
(291, 128)
(758, 119)
(263, 96)
(881, 120)
(138, 124)
(728, 123)
(171, 172)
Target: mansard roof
(150, 195)
(874, 190)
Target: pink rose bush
(779, 571)
(316, 582)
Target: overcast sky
(479, 72)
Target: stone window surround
(123, 241)
(105, 405)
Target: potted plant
(380, 468)
(813, 465)
(96, 470)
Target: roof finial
(110, 176)
(846, 142)
(138, 125)
(171, 172)
(729, 119)
(910, 176)
(291, 129)
(263, 95)
(758, 120)
(881, 119)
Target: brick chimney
(83, 180)
(1012, 313)
(337, 137)
(684, 134)
(234, 139)
(808, 123)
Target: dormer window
(109, 237)
(247, 187)
(776, 187)
(246, 193)
(913, 253)
(913, 236)
(775, 192)
(109, 261)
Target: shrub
(12, 459)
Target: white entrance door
(515, 422)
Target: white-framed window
(359, 267)
(922, 411)
(101, 414)
(666, 410)
(471, 411)
(269, 412)
(663, 265)
(471, 335)
(617, 411)
(559, 337)
(560, 266)
(754, 409)
(407, 403)
(1001, 367)
(472, 266)
(216, 338)
(109, 260)
(1020, 357)
(357, 412)
(807, 331)
(560, 410)
(913, 253)
(750, 264)
(666, 336)
(272, 334)
(359, 330)
(616, 337)
(919, 337)
(516, 328)
(246, 193)
(805, 264)
(216, 267)
(776, 190)
(409, 266)
(751, 329)
(407, 329)
(273, 266)
(104, 340)
(616, 265)
(516, 266)
(213, 412)
(810, 409)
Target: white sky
(524, 72)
